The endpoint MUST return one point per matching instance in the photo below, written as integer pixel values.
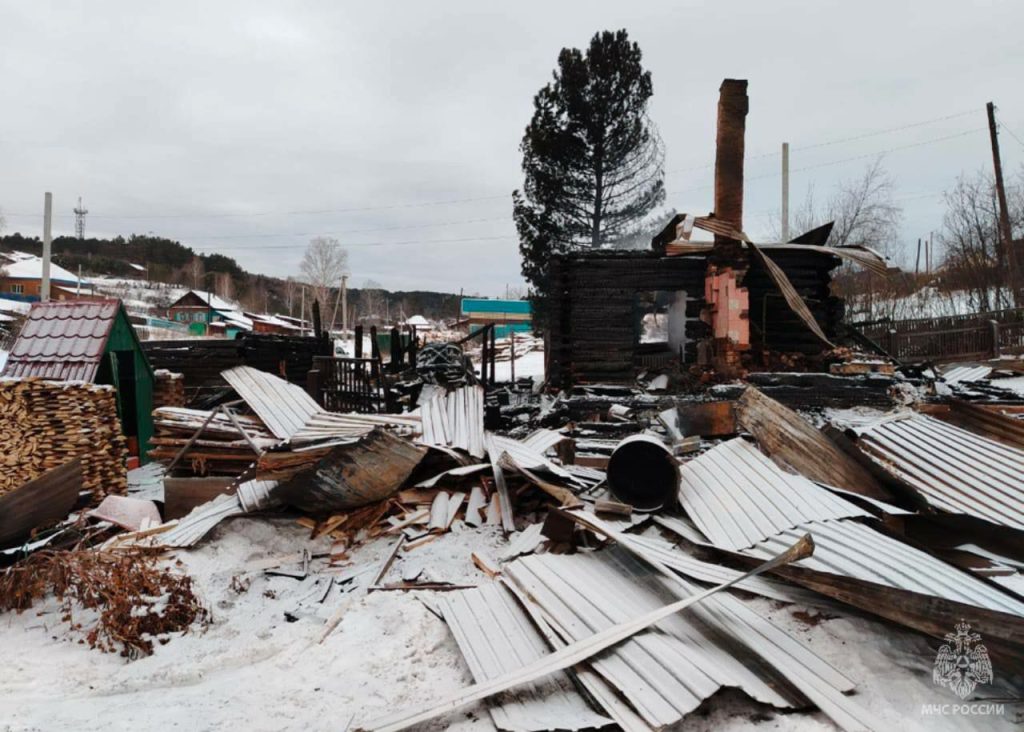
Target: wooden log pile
(168, 389)
(221, 449)
(48, 423)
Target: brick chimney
(727, 304)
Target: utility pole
(785, 192)
(917, 264)
(44, 290)
(344, 303)
(78, 286)
(1009, 256)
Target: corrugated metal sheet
(496, 637)
(329, 426)
(63, 341)
(727, 615)
(455, 420)
(966, 373)
(664, 673)
(716, 574)
(953, 469)
(851, 549)
(253, 495)
(283, 407)
(737, 496)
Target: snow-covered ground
(252, 669)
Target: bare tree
(322, 266)
(196, 271)
(865, 214)
(371, 300)
(975, 262)
(291, 287)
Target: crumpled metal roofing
(716, 574)
(738, 497)
(283, 407)
(62, 340)
(966, 373)
(455, 420)
(664, 672)
(496, 636)
(954, 470)
(584, 592)
(851, 549)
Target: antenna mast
(80, 213)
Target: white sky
(398, 123)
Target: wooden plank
(40, 502)
(795, 445)
(181, 495)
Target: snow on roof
(272, 320)
(28, 266)
(14, 306)
(137, 267)
(419, 321)
(235, 317)
(215, 302)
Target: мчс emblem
(962, 662)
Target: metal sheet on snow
(496, 637)
(954, 470)
(737, 496)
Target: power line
(844, 160)
(1007, 128)
(352, 231)
(376, 243)
(312, 212)
(838, 141)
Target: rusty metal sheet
(350, 476)
(738, 497)
(283, 407)
(496, 637)
(953, 469)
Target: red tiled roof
(63, 340)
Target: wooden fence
(341, 384)
(955, 338)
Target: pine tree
(592, 160)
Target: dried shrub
(134, 601)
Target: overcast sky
(248, 127)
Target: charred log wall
(773, 325)
(591, 327)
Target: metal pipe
(643, 473)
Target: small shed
(91, 341)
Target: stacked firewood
(168, 389)
(48, 423)
(221, 448)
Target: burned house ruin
(726, 304)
